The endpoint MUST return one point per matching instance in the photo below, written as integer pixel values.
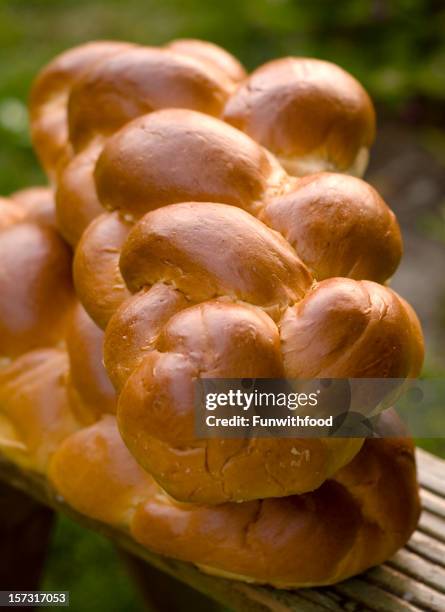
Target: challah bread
(176, 260)
(356, 519)
(35, 278)
(49, 99)
(198, 255)
(86, 94)
(34, 401)
(134, 174)
(310, 113)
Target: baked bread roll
(198, 255)
(311, 114)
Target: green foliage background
(395, 47)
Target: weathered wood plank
(428, 463)
(160, 591)
(427, 548)
(431, 472)
(423, 571)
(432, 482)
(362, 592)
(326, 598)
(407, 589)
(433, 525)
(433, 503)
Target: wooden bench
(413, 580)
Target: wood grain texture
(412, 581)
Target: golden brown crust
(96, 475)
(355, 520)
(339, 226)
(36, 289)
(92, 392)
(135, 326)
(189, 284)
(207, 250)
(139, 81)
(218, 340)
(49, 98)
(211, 54)
(37, 204)
(345, 328)
(305, 110)
(97, 278)
(33, 398)
(179, 155)
(77, 204)
(352, 522)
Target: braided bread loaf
(204, 288)
(48, 398)
(197, 254)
